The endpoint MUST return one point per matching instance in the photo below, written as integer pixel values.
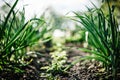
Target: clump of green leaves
(57, 66)
(59, 58)
(104, 37)
(16, 35)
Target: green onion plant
(104, 37)
(16, 35)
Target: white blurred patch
(61, 6)
(58, 33)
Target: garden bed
(84, 70)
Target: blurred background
(38, 7)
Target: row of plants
(18, 35)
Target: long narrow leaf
(8, 16)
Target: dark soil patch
(84, 70)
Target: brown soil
(84, 70)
